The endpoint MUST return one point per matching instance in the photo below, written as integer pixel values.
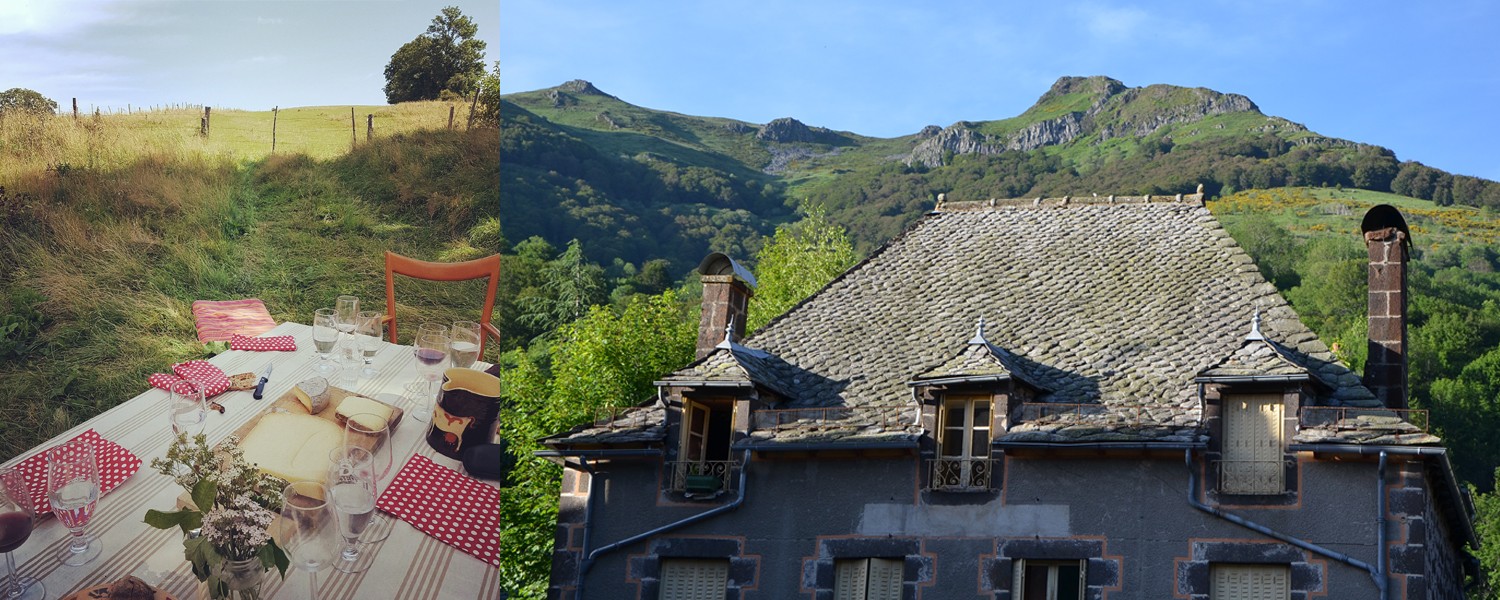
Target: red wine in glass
(430, 356)
(15, 527)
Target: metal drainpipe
(1378, 574)
(588, 519)
(1380, 535)
(588, 561)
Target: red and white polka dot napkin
(116, 464)
(213, 378)
(447, 505)
(274, 343)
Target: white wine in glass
(370, 431)
(325, 337)
(351, 485)
(463, 347)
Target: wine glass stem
(14, 589)
(312, 585)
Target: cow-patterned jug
(465, 412)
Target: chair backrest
(489, 267)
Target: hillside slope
(1084, 135)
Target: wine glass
(73, 488)
(427, 328)
(187, 407)
(372, 432)
(307, 529)
(464, 344)
(367, 325)
(17, 515)
(432, 352)
(351, 487)
(346, 310)
(325, 336)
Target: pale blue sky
(1421, 78)
(249, 54)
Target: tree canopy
(24, 100)
(445, 57)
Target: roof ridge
(1094, 200)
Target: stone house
(1024, 399)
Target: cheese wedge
(291, 446)
(313, 394)
(364, 411)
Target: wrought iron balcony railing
(1346, 417)
(702, 478)
(961, 474)
(1263, 477)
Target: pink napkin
(116, 464)
(213, 378)
(275, 343)
(447, 505)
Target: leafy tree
(1276, 252)
(24, 100)
(446, 57)
(571, 285)
(487, 113)
(605, 359)
(800, 259)
(1487, 525)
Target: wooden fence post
(353, 133)
(369, 126)
(450, 117)
(472, 104)
(75, 109)
(275, 112)
(207, 120)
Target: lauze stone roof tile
(1117, 304)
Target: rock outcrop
(581, 87)
(1113, 110)
(789, 130)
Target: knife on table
(260, 386)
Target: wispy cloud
(1114, 23)
(269, 20)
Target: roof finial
(979, 333)
(728, 336)
(1255, 326)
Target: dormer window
(703, 466)
(963, 444)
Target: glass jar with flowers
(225, 515)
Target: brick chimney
(727, 288)
(1388, 241)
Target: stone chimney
(727, 288)
(1389, 242)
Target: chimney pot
(727, 288)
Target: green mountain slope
(1085, 135)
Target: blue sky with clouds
(249, 54)
(1421, 78)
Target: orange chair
(489, 266)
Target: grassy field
(1308, 211)
(110, 228)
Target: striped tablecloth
(409, 564)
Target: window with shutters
(703, 467)
(963, 462)
(1049, 580)
(694, 578)
(868, 579)
(1252, 446)
(1250, 582)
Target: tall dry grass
(110, 228)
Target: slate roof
(1118, 303)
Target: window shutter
(694, 579)
(1252, 445)
(850, 580)
(885, 579)
(1250, 582)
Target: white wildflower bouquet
(230, 511)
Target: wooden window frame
(1217, 569)
(1019, 577)
(697, 422)
(1273, 471)
(967, 403)
(673, 570)
(872, 578)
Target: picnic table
(409, 564)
